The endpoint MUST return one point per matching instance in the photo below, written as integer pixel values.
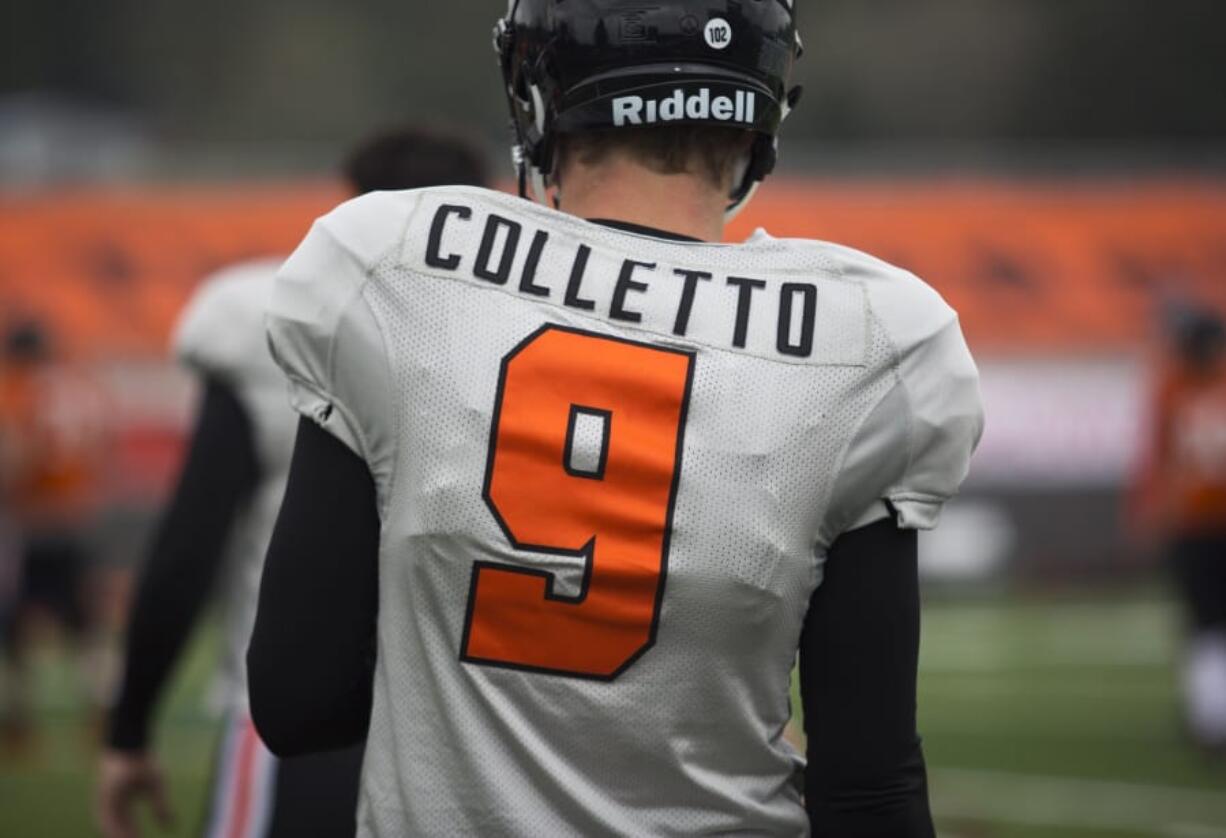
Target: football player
(216, 530)
(52, 444)
(575, 483)
(1183, 499)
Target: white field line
(1191, 830)
(1038, 800)
(986, 645)
(945, 662)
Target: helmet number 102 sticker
(610, 507)
(718, 33)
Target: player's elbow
(857, 799)
(296, 713)
(295, 738)
(278, 721)
(280, 738)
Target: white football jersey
(609, 467)
(221, 334)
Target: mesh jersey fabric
(397, 322)
(221, 334)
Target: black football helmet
(582, 65)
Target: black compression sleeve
(311, 660)
(185, 558)
(858, 657)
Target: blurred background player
(51, 451)
(214, 534)
(1184, 501)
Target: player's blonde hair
(714, 153)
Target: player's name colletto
(509, 252)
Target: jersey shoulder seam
(896, 492)
(367, 273)
(359, 295)
(397, 425)
(823, 529)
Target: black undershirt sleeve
(858, 656)
(185, 558)
(311, 661)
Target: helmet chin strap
(536, 177)
(532, 183)
(540, 190)
(734, 209)
(745, 169)
(743, 191)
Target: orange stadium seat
(1033, 266)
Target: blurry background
(1056, 168)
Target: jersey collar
(627, 227)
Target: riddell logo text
(635, 110)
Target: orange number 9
(617, 516)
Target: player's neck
(619, 190)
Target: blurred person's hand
(125, 778)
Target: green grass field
(1060, 718)
(1043, 718)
